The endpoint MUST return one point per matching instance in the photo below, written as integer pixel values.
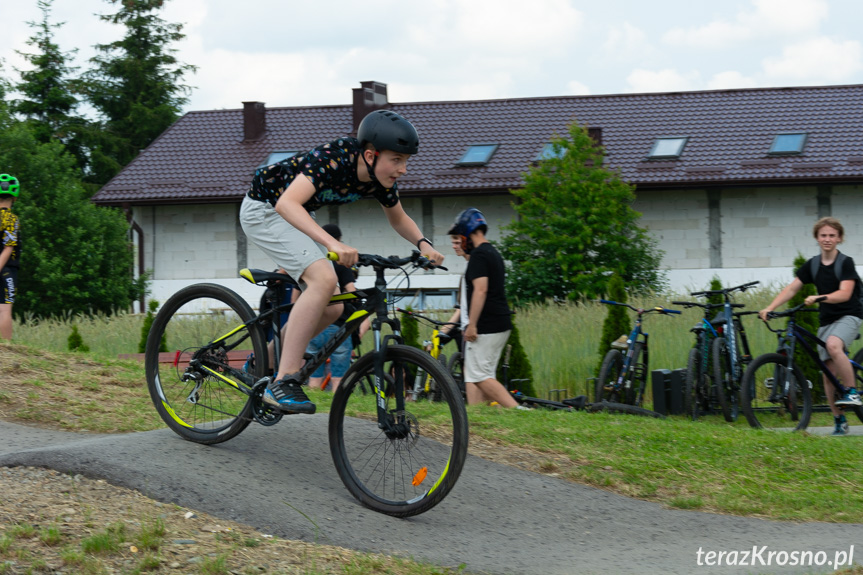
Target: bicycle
(774, 383)
(204, 394)
(424, 385)
(699, 392)
(623, 379)
(730, 350)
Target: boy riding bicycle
(277, 214)
(840, 313)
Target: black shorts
(9, 277)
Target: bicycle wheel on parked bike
(408, 467)
(692, 394)
(455, 367)
(723, 379)
(605, 390)
(858, 376)
(772, 395)
(194, 361)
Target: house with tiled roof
(729, 181)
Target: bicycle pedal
(768, 383)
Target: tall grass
(561, 340)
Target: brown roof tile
(203, 156)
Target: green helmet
(9, 185)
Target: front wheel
(723, 379)
(772, 395)
(692, 399)
(404, 468)
(203, 354)
(606, 383)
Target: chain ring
(263, 413)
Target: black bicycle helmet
(386, 130)
(9, 185)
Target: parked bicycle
(774, 388)
(384, 457)
(699, 391)
(623, 378)
(425, 386)
(730, 351)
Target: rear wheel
(197, 385)
(455, 367)
(606, 382)
(406, 468)
(772, 395)
(723, 379)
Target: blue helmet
(467, 222)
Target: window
(277, 156)
(477, 155)
(667, 148)
(550, 151)
(788, 143)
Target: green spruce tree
(617, 321)
(809, 322)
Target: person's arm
(477, 302)
(290, 207)
(782, 297)
(5, 255)
(408, 229)
(453, 319)
(843, 294)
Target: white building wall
(762, 231)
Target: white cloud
(667, 80)
(625, 41)
(767, 18)
(730, 79)
(576, 88)
(817, 60)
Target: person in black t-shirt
(840, 314)
(488, 322)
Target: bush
(411, 330)
(518, 365)
(145, 329)
(617, 321)
(76, 342)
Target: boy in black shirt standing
(488, 322)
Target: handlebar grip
(672, 311)
(333, 256)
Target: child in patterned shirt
(10, 251)
(277, 214)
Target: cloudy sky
(290, 53)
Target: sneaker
(523, 407)
(841, 425)
(249, 366)
(850, 398)
(288, 395)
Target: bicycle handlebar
(391, 262)
(726, 291)
(688, 304)
(794, 310)
(428, 319)
(658, 309)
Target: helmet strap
(466, 244)
(371, 167)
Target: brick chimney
(254, 120)
(370, 96)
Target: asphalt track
(498, 519)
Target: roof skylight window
(788, 143)
(477, 155)
(664, 148)
(278, 156)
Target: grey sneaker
(841, 426)
(288, 396)
(850, 398)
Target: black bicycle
(623, 378)
(730, 351)
(699, 393)
(424, 386)
(775, 389)
(208, 390)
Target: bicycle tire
(723, 380)
(858, 377)
(764, 405)
(691, 392)
(612, 407)
(210, 408)
(402, 475)
(612, 364)
(638, 377)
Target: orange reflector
(420, 476)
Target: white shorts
(287, 246)
(481, 356)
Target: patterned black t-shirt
(9, 236)
(332, 168)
